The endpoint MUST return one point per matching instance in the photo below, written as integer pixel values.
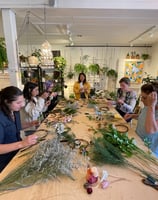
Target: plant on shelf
(112, 73)
(3, 54)
(78, 68)
(94, 68)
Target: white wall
(112, 57)
(153, 67)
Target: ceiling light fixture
(46, 50)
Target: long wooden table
(124, 184)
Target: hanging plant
(145, 56)
(78, 68)
(112, 73)
(94, 68)
(70, 75)
(3, 53)
(104, 70)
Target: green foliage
(37, 53)
(112, 147)
(112, 73)
(70, 75)
(94, 68)
(145, 56)
(78, 68)
(60, 62)
(3, 53)
(113, 95)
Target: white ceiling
(86, 25)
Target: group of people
(21, 109)
(147, 119)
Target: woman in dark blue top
(11, 101)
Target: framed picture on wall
(134, 70)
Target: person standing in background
(11, 101)
(81, 88)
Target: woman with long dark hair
(35, 104)
(11, 101)
(81, 88)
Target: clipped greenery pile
(112, 147)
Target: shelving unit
(40, 74)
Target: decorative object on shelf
(33, 61)
(46, 54)
(145, 56)
(3, 54)
(94, 68)
(79, 68)
(128, 56)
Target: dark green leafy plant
(78, 68)
(145, 56)
(113, 147)
(112, 73)
(3, 53)
(70, 75)
(94, 68)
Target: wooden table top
(124, 184)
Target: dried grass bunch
(51, 160)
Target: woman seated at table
(11, 101)
(147, 125)
(81, 88)
(53, 96)
(35, 105)
(126, 97)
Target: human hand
(29, 140)
(47, 103)
(120, 101)
(128, 116)
(152, 99)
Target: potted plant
(145, 56)
(112, 73)
(94, 68)
(70, 75)
(3, 54)
(59, 62)
(78, 68)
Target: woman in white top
(35, 105)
